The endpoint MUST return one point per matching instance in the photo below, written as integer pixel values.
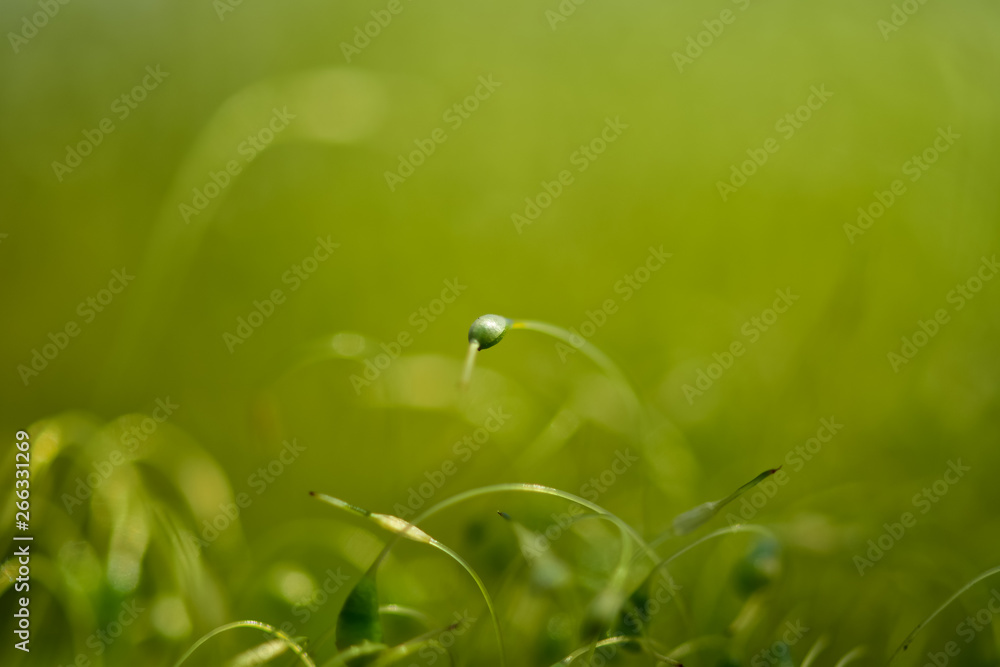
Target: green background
(655, 185)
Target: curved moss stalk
(489, 330)
(648, 645)
(703, 643)
(739, 528)
(814, 652)
(402, 528)
(614, 595)
(640, 590)
(260, 654)
(264, 627)
(920, 626)
(408, 648)
(519, 487)
(405, 612)
(694, 518)
(628, 533)
(852, 656)
(593, 353)
(354, 652)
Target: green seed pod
(489, 330)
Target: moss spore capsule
(489, 330)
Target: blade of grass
(814, 652)
(263, 627)
(694, 518)
(352, 652)
(920, 626)
(648, 645)
(852, 656)
(408, 530)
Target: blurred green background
(308, 128)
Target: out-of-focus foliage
(346, 382)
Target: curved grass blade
(548, 571)
(405, 612)
(852, 656)
(260, 654)
(627, 531)
(694, 518)
(633, 617)
(357, 651)
(263, 627)
(814, 652)
(648, 645)
(408, 530)
(406, 649)
(920, 626)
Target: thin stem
(593, 353)
(814, 652)
(620, 639)
(909, 638)
(350, 653)
(269, 629)
(486, 596)
(621, 572)
(405, 612)
(534, 488)
(851, 656)
(470, 361)
(527, 488)
(401, 527)
(740, 528)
